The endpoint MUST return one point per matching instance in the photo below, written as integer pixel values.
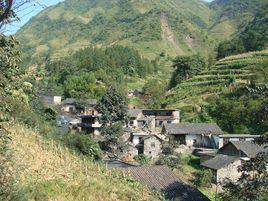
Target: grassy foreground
(47, 170)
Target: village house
(145, 143)
(223, 167)
(90, 124)
(152, 118)
(222, 140)
(76, 106)
(225, 163)
(242, 149)
(151, 146)
(163, 116)
(192, 134)
(68, 105)
(51, 100)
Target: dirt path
(168, 35)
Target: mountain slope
(137, 23)
(232, 16)
(223, 77)
(46, 170)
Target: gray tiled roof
(249, 148)
(192, 128)
(133, 113)
(161, 178)
(219, 161)
(238, 136)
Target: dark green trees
(87, 72)
(113, 108)
(153, 93)
(186, 67)
(253, 38)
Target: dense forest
(87, 72)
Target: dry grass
(47, 169)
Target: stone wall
(152, 147)
(229, 172)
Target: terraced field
(222, 77)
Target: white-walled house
(152, 118)
(223, 167)
(229, 157)
(222, 140)
(192, 134)
(90, 124)
(136, 137)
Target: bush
(85, 145)
(203, 178)
(174, 162)
(142, 159)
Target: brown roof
(161, 178)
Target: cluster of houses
(148, 129)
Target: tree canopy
(186, 67)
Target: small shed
(223, 167)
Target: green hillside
(232, 16)
(151, 27)
(234, 71)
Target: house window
(153, 145)
(131, 123)
(160, 123)
(169, 122)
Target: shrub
(203, 178)
(142, 159)
(174, 162)
(85, 145)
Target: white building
(222, 140)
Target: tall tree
(186, 67)
(113, 108)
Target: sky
(31, 10)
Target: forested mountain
(174, 27)
(151, 27)
(232, 15)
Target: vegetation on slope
(48, 170)
(193, 94)
(71, 25)
(87, 72)
(252, 38)
(232, 16)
